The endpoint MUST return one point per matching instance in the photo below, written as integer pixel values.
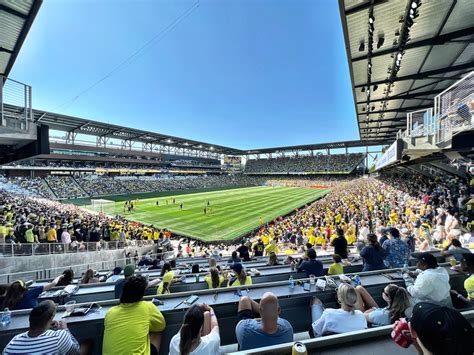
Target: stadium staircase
(86, 194)
(50, 189)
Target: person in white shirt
(199, 334)
(345, 319)
(430, 283)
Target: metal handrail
(29, 249)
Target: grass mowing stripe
(235, 211)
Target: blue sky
(241, 73)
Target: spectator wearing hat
(467, 266)
(431, 284)
(40, 338)
(241, 278)
(397, 251)
(128, 272)
(438, 330)
(269, 329)
(311, 266)
(134, 326)
(115, 275)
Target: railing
(18, 94)
(454, 109)
(28, 249)
(78, 269)
(453, 112)
(420, 123)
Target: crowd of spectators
(69, 187)
(64, 186)
(36, 220)
(336, 163)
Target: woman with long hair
(18, 296)
(89, 277)
(199, 334)
(68, 276)
(345, 319)
(214, 279)
(273, 260)
(373, 254)
(398, 305)
(240, 278)
(167, 274)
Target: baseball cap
(441, 329)
(237, 267)
(428, 258)
(129, 270)
(468, 258)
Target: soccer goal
(104, 206)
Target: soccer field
(233, 212)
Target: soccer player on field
(181, 206)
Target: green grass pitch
(233, 212)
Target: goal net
(103, 206)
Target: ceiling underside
(433, 43)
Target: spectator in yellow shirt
(134, 326)
(272, 248)
(336, 268)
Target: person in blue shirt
(311, 266)
(373, 254)
(397, 250)
(19, 296)
(267, 330)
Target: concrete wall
(25, 267)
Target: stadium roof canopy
(319, 146)
(16, 18)
(401, 54)
(77, 125)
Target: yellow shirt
(52, 235)
(469, 286)
(248, 281)
(127, 327)
(208, 279)
(264, 239)
(335, 269)
(168, 277)
(272, 248)
(289, 251)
